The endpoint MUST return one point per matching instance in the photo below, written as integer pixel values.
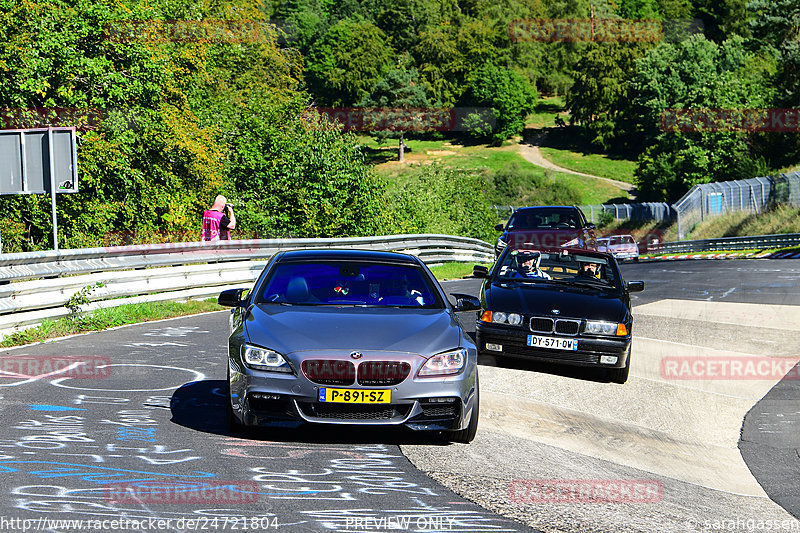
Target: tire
(232, 423)
(619, 375)
(467, 435)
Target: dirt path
(529, 149)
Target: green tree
(722, 19)
(181, 122)
(697, 75)
(347, 61)
(510, 97)
(441, 65)
(638, 9)
(598, 99)
(297, 175)
(401, 103)
(775, 24)
(149, 164)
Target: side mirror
(465, 302)
(480, 271)
(499, 227)
(230, 297)
(590, 226)
(635, 286)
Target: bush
(437, 199)
(517, 185)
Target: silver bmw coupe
(351, 337)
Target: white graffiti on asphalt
(197, 376)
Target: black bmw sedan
(564, 306)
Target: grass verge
(780, 219)
(447, 271)
(108, 318)
(595, 164)
(545, 113)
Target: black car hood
(295, 328)
(540, 298)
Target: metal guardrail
(759, 242)
(37, 285)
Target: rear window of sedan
(350, 283)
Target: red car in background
(622, 247)
(546, 228)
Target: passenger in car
(589, 270)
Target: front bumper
(260, 398)
(590, 348)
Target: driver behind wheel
(528, 266)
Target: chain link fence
(752, 195)
(659, 211)
(702, 201)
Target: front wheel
(619, 375)
(467, 435)
(231, 421)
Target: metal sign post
(38, 161)
(53, 186)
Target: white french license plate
(552, 342)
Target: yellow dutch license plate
(354, 396)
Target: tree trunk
(402, 149)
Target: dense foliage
(687, 108)
(186, 116)
(181, 120)
(721, 55)
(454, 203)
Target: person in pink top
(218, 220)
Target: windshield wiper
(528, 280)
(595, 284)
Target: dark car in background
(567, 306)
(546, 227)
(350, 337)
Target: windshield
(560, 267)
(544, 219)
(340, 283)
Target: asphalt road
(151, 415)
(141, 437)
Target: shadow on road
(200, 405)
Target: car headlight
(445, 364)
(500, 317)
(264, 359)
(596, 327)
(514, 319)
